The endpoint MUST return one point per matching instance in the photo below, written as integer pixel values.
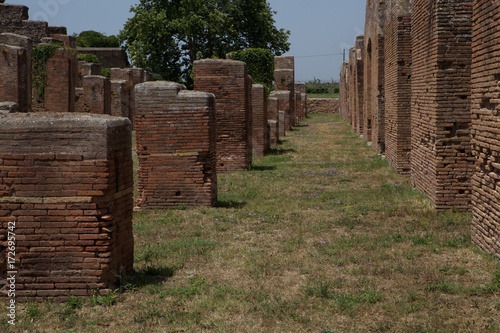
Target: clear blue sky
(320, 29)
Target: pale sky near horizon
(320, 29)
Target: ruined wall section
(15, 70)
(66, 183)
(14, 19)
(373, 72)
(176, 146)
(344, 97)
(228, 81)
(485, 126)
(398, 89)
(259, 121)
(442, 162)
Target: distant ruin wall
(485, 126)
(110, 57)
(323, 105)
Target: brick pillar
(126, 75)
(16, 70)
(85, 69)
(120, 99)
(344, 91)
(176, 146)
(284, 103)
(301, 88)
(273, 133)
(485, 126)
(272, 114)
(228, 81)
(398, 92)
(359, 83)
(61, 81)
(441, 159)
(97, 94)
(138, 75)
(259, 121)
(67, 186)
(284, 79)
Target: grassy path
(319, 236)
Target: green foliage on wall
(260, 65)
(41, 54)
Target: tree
(167, 36)
(91, 38)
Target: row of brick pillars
(430, 86)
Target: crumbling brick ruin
(356, 69)
(485, 126)
(273, 120)
(15, 70)
(176, 146)
(373, 72)
(397, 82)
(66, 182)
(229, 82)
(323, 105)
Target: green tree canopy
(167, 36)
(91, 38)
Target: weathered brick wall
(14, 19)
(398, 91)
(227, 80)
(110, 57)
(373, 72)
(15, 70)
(66, 182)
(352, 87)
(259, 121)
(87, 68)
(323, 105)
(96, 94)
(442, 162)
(301, 100)
(485, 125)
(176, 146)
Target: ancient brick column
(441, 158)
(485, 126)
(15, 70)
(62, 69)
(67, 188)
(273, 115)
(285, 101)
(344, 91)
(86, 68)
(97, 94)
(301, 88)
(120, 99)
(176, 146)
(284, 79)
(259, 121)
(398, 87)
(127, 76)
(228, 81)
(373, 72)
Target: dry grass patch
(319, 236)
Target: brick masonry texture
(398, 91)
(273, 120)
(66, 181)
(176, 146)
(323, 105)
(62, 76)
(15, 70)
(344, 97)
(485, 126)
(284, 100)
(441, 160)
(96, 94)
(229, 82)
(14, 19)
(259, 121)
(284, 79)
(356, 70)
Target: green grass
(319, 236)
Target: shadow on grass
(230, 204)
(262, 168)
(279, 151)
(146, 276)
